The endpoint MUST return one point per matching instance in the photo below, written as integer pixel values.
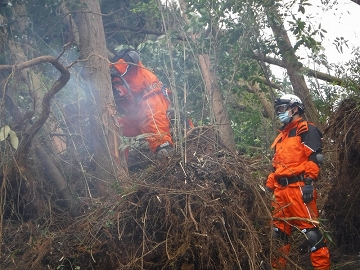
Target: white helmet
(291, 100)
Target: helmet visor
(281, 108)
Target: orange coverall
(295, 148)
(143, 103)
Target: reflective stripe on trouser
(290, 211)
(150, 119)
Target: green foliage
(232, 63)
(252, 132)
(339, 42)
(45, 30)
(228, 31)
(6, 132)
(129, 14)
(145, 8)
(352, 69)
(305, 35)
(302, 5)
(327, 97)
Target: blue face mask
(285, 117)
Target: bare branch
(57, 86)
(306, 71)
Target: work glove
(268, 190)
(164, 152)
(308, 190)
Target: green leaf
(4, 132)
(328, 237)
(14, 140)
(301, 9)
(123, 147)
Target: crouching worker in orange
(142, 100)
(296, 166)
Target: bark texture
(103, 118)
(222, 120)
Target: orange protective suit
(143, 101)
(296, 147)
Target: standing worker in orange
(142, 100)
(296, 166)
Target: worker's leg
(282, 228)
(319, 253)
(130, 128)
(153, 120)
(307, 223)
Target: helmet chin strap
(292, 115)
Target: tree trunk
(25, 74)
(110, 165)
(292, 64)
(55, 175)
(222, 120)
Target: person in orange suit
(142, 100)
(296, 165)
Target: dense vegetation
(68, 198)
